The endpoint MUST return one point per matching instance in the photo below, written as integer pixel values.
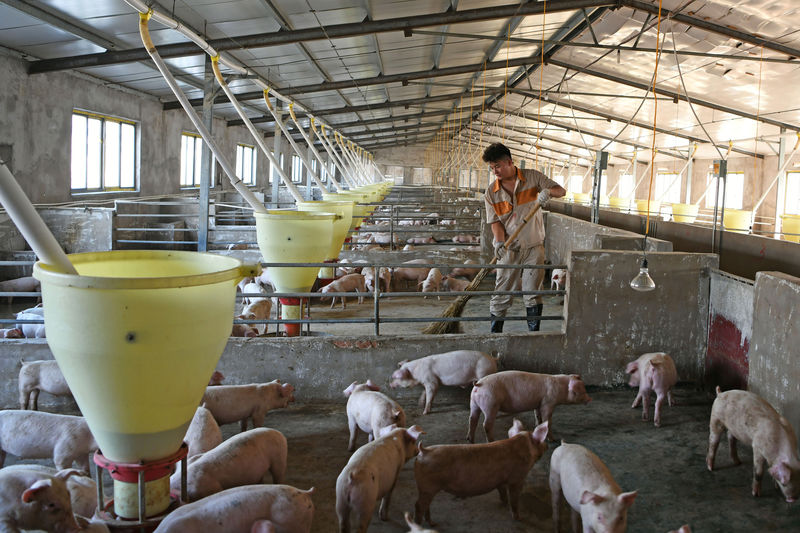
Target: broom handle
(524, 221)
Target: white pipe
(349, 158)
(311, 145)
(332, 153)
(30, 224)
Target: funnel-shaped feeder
(291, 236)
(137, 335)
(655, 207)
(360, 211)
(341, 226)
(619, 203)
(737, 220)
(686, 213)
(791, 227)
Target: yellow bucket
(686, 213)
(737, 220)
(619, 203)
(791, 224)
(340, 226)
(655, 207)
(582, 197)
(137, 335)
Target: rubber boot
(497, 325)
(536, 310)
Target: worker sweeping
(513, 195)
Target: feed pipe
(346, 155)
(310, 144)
(30, 224)
(258, 138)
(730, 147)
(332, 153)
(356, 155)
(142, 7)
(676, 178)
(246, 193)
(774, 180)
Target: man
(510, 198)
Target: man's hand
(498, 249)
(544, 196)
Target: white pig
(37, 435)
(253, 288)
(456, 368)
(415, 274)
(203, 433)
(32, 331)
(238, 509)
(82, 488)
(468, 273)
(240, 403)
(558, 279)
(371, 474)
(450, 283)
(752, 420)
(32, 499)
(589, 489)
(348, 283)
(433, 282)
(465, 470)
(369, 410)
(36, 376)
(24, 284)
(653, 372)
(514, 391)
(244, 459)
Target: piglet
(411, 273)
(36, 376)
(589, 489)
(653, 372)
(240, 403)
(450, 283)
(239, 509)
(11, 333)
(348, 283)
(243, 330)
(433, 282)
(369, 410)
(24, 284)
(752, 420)
(244, 459)
(371, 474)
(558, 279)
(82, 488)
(203, 433)
(32, 331)
(465, 470)
(464, 271)
(457, 368)
(32, 499)
(514, 391)
(36, 435)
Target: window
(297, 169)
(668, 187)
(246, 163)
(625, 189)
(191, 159)
(792, 193)
(576, 183)
(734, 190)
(103, 153)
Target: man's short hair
(496, 152)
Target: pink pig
(369, 410)
(36, 376)
(348, 283)
(653, 372)
(450, 283)
(752, 420)
(32, 499)
(514, 391)
(240, 403)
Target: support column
(689, 176)
(780, 200)
(206, 160)
(274, 176)
(309, 179)
(600, 164)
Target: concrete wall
(775, 346)
(730, 332)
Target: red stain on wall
(727, 364)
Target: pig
(682, 529)
(244, 330)
(203, 434)
(433, 282)
(36, 376)
(384, 277)
(237, 246)
(11, 333)
(32, 499)
(413, 526)
(514, 391)
(466, 272)
(32, 331)
(457, 368)
(466, 239)
(653, 372)
(589, 489)
(371, 474)
(421, 240)
(244, 459)
(24, 284)
(257, 309)
(343, 270)
(36, 435)
(348, 283)
(415, 274)
(558, 279)
(369, 410)
(254, 289)
(408, 247)
(752, 420)
(472, 469)
(82, 488)
(450, 283)
(239, 509)
(232, 403)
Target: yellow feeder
(737, 220)
(655, 207)
(686, 213)
(146, 329)
(291, 236)
(582, 197)
(619, 203)
(341, 226)
(791, 224)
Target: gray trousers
(508, 279)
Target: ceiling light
(643, 282)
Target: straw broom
(457, 307)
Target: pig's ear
(349, 390)
(30, 493)
(627, 498)
(632, 367)
(385, 430)
(415, 432)
(719, 391)
(516, 427)
(372, 386)
(68, 472)
(396, 414)
(591, 497)
(684, 529)
(401, 363)
(781, 472)
(540, 433)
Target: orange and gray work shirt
(510, 210)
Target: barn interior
(673, 126)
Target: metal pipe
(310, 143)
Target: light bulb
(643, 282)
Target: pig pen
(665, 465)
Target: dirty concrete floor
(666, 465)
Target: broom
(457, 307)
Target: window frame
(297, 169)
(197, 162)
(243, 150)
(132, 157)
